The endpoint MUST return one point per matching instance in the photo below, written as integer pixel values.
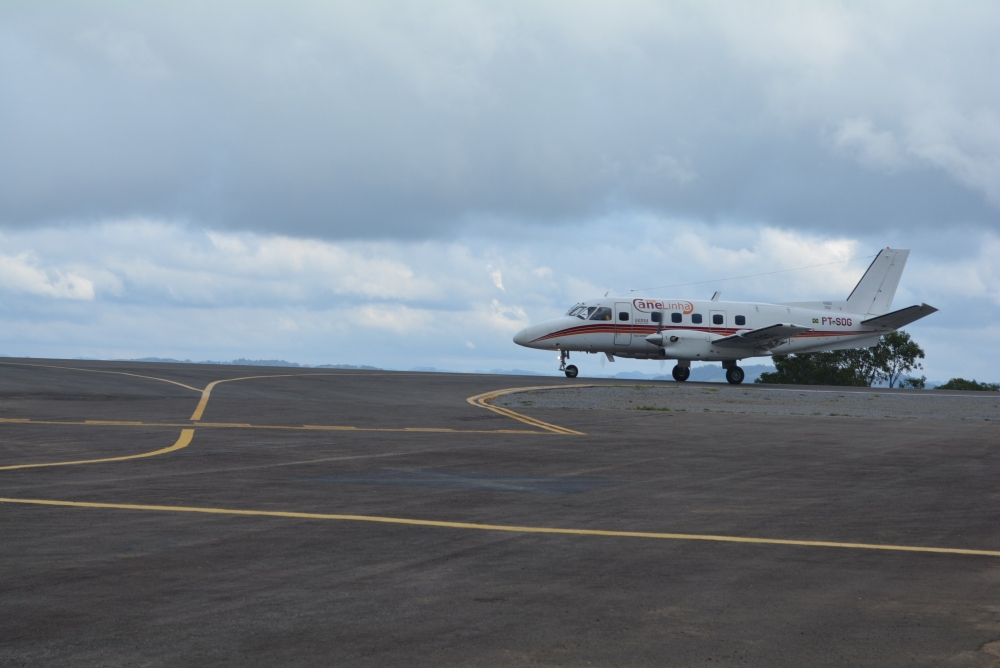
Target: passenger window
(741, 320)
(623, 315)
(602, 313)
(656, 316)
(696, 318)
(675, 317)
(717, 319)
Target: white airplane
(727, 332)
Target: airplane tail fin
(874, 292)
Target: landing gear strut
(569, 369)
(735, 375)
(681, 373)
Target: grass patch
(651, 408)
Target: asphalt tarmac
(347, 518)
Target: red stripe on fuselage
(609, 328)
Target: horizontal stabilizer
(900, 318)
(765, 337)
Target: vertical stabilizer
(874, 292)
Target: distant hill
(247, 362)
(513, 372)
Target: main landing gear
(569, 369)
(681, 373)
(735, 375)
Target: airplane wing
(900, 318)
(765, 337)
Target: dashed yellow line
(504, 527)
(182, 442)
(482, 399)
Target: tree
(831, 368)
(898, 355)
(895, 354)
(963, 384)
(867, 364)
(914, 383)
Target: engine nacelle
(683, 343)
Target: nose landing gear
(569, 369)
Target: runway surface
(170, 515)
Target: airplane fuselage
(689, 328)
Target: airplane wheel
(681, 373)
(572, 371)
(735, 375)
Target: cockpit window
(577, 310)
(601, 313)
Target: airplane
(722, 331)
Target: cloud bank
(404, 119)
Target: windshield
(602, 313)
(576, 310)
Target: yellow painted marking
(117, 373)
(481, 399)
(241, 425)
(203, 403)
(504, 527)
(182, 442)
(200, 408)
(111, 422)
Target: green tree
(867, 364)
(914, 383)
(963, 384)
(898, 354)
(895, 354)
(830, 368)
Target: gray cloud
(406, 120)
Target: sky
(405, 184)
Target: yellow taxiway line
(482, 399)
(117, 373)
(199, 410)
(504, 527)
(182, 442)
(243, 425)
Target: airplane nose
(521, 338)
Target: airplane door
(717, 320)
(623, 323)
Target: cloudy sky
(407, 184)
